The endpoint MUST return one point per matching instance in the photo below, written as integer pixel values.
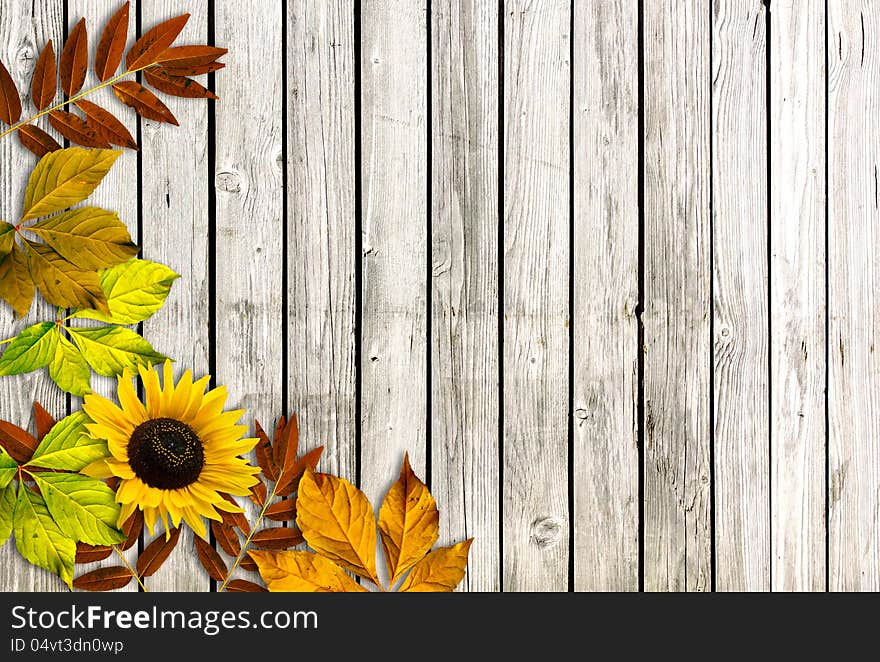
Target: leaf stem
(75, 98)
(250, 535)
(130, 569)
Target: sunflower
(176, 454)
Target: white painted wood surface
(853, 282)
(495, 172)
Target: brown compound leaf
(289, 482)
(43, 84)
(145, 103)
(112, 44)
(76, 129)
(264, 455)
(244, 586)
(104, 579)
(187, 57)
(259, 494)
(132, 529)
(211, 560)
(283, 511)
(226, 537)
(195, 70)
(147, 49)
(20, 444)
(91, 553)
(154, 555)
(75, 59)
(112, 130)
(282, 537)
(37, 141)
(44, 421)
(10, 102)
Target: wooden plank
(249, 185)
(854, 279)
(740, 303)
(464, 327)
(536, 301)
(677, 519)
(606, 295)
(394, 225)
(174, 194)
(24, 29)
(322, 283)
(797, 294)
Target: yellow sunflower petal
(131, 491)
(150, 517)
(121, 469)
(104, 412)
(98, 469)
(117, 441)
(225, 506)
(197, 394)
(196, 523)
(179, 400)
(212, 405)
(152, 392)
(129, 401)
(125, 511)
(168, 388)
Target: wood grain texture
(797, 294)
(249, 188)
(740, 303)
(464, 329)
(321, 230)
(536, 301)
(677, 522)
(394, 179)
(174, 194)
(854, 280)
(606, 295)
(24, 28)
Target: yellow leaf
(16, 285)
(409, 522)
(440, 571)
(7, 239)
(89, 237)
(303, 572)
(64, 178)
(337, 521)
(63, 284)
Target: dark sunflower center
(166, 454)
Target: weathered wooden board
(853, 283)
(740, 297)
(535, 300)
(797, 294)
(677, 274)
(606, 294)
(464, 270)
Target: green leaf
(7, 239)
(112, 349)
(16, 284)
(8, 467)
(64, 178)
(69, 369)
(7, 508)
(68, 446)
(31, 350)
(135, 292)
(84, 508)
(38, 537)
(90, 238)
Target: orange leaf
(10, 102)
(247, 563)
(20, 444)
(338, 522)
(409, 522)
(44, 421)
(144, 102)
(226, 537)
(211, 560)
(90, 553)
(154, 555)
(235, 519)
(283, 511)
(76, 129)
(132, 529)
(259, 494)
(109, 52)
(185, 57)
(178, 86)
(244, 586)
(303, 572)
(103, 579)
(279, 441)
(278, 538)
(440, 571)
(106, 123)
(195, 70)
(75, 59)
(264, 453)
(45, 73)
(289, 482)
(148, 48)
(36, 140)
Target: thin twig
(130, 569)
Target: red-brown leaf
(132, 528)
(185, 57)
(279, 538)
(20, 444)
(196, 70)
(248, 564)
(112, 44)
(178, 86)
(283, 511)
(10, 102)
(113, 483)
(148, 48)
(259, 493)
(235, 519)
(280, 441)
(91, 553)
(76, 129)
(103, 579)
(264, 453)
(75, 59)
(226, 537)
(36, 140)
(211, 560)
(155, 554)
(289, 482)
(106, 123)
(44, 420)
(144, 102)
(244, 586)
(44, 82)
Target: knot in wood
(580, 413)
(546, 531)
(229, 181)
